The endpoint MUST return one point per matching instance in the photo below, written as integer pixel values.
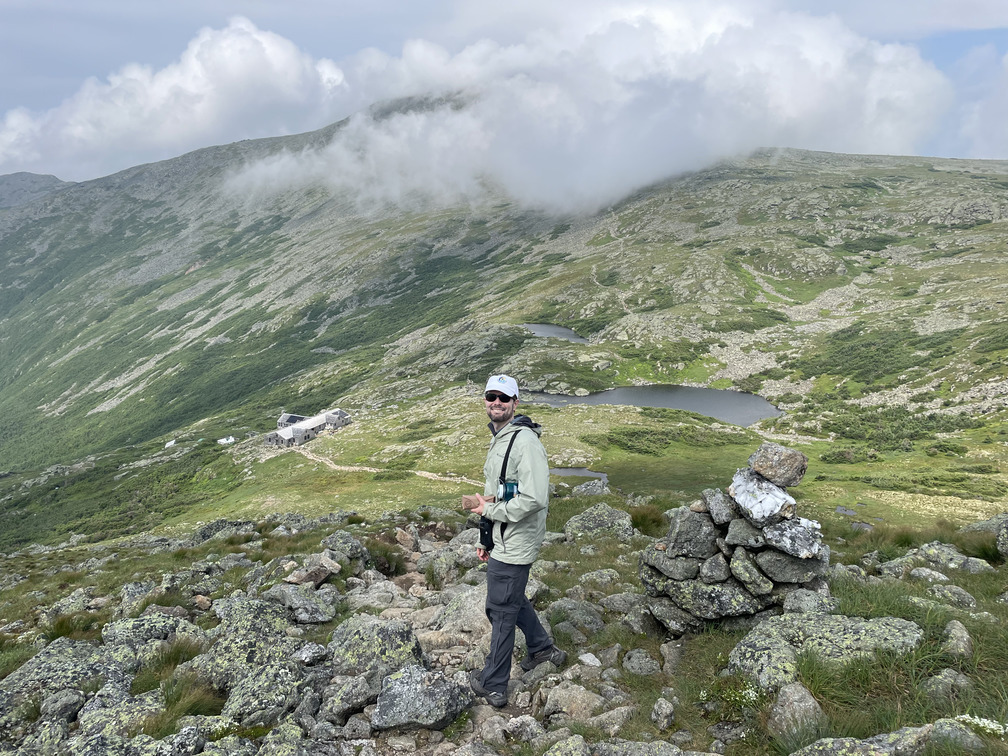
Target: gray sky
(568, 104)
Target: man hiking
(513, 507)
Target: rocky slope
(316, 651)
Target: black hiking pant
(507, 607)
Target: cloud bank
(568, 113)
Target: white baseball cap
(505, 384)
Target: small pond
(734, 407)
(579, 472)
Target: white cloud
(228, 84)
(575, 121)
(985, 115)
(909, 19)
(563, 105)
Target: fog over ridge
(572, 125)
(574, 112)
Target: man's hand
(482, 553)
(476, 502)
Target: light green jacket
(525, 514)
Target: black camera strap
(486, 524)
(508, 454)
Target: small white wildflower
(987, 726)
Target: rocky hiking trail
(390, 672)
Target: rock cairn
(736, 554)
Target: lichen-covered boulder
(345, 544)
(802, 601)
(445, 564)
(414, 698)
(956, 640)
(220, 529)
(345, 695)
(677, 568)
(252, 633)
(262, 697)
(749, 574)
(690, 534)
(573, 700)
(900, 567)
(841, 747)
(778, 464)
(798, 537)
(715, 569)
(103, 745)
(719, 505)
(768, 654)
(575, 745)
(741, 532)
(596, 487)
(639, 662)
(139, 630)
(373, 648)
(64, 663)
(953, 595)
(727, 599)
(63, 705)
(600, 520)
(464, 613)
(794, 710)
(76, 601)
(946, 685)
(581, 614)
(1002, 541)
(760, 501)
(947, 556)
(784, 568)
(113, 711)
(954, 735)
(132, 595)
(309, 606)
(672, 618)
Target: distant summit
(22, 188)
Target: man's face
(500, 408)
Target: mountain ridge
(860, 294)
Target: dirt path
(361, 468)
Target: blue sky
(573, 100)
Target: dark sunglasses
(490, 396)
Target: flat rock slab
(760, 501)
(768, 654)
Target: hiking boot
(497, 700)
(551, 654)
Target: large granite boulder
(768, 654)
(308, 605)
(251, 633)
(600, 520)
(345, 695)
(373, 648)
(262, 697)
(415, 698)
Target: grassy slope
(152, 305)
